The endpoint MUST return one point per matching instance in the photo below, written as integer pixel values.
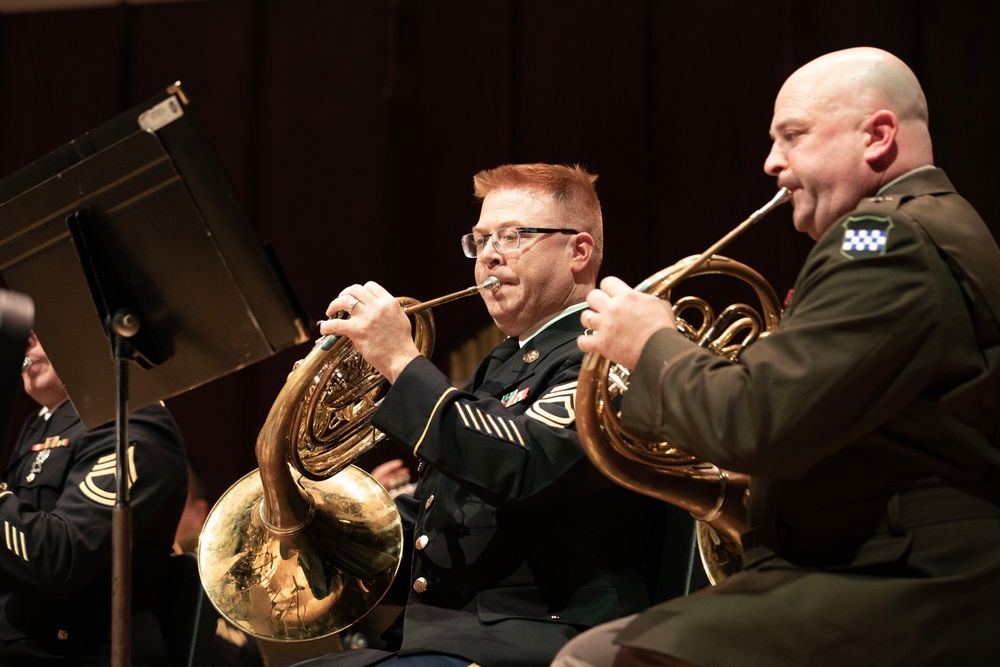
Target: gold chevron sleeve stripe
(473, 418)
(506, 429)
(95, 493)
(562, 390)
(483, 417)
(540, 413)
(517, 432)
(15, 541)
(557, 408)
(497, 424)
(105, 467)
(510, 428)
(461, 413)
(494, 426)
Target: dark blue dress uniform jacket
(518, 542)
(55, 558)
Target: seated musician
(519, 542)
(56, 506)
(870, 421)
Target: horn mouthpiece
(492, 284)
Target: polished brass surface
(314, 582)
(308, 544)
(715, 497)
(337, 405)
(333, 424)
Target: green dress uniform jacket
(55, 560)
(518, 543)
(870, 422)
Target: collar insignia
(530, 356)
(865, 236)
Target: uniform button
(422, 542)
(420, 585)
(62, 634)
(429, 502)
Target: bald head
(863, 79)
(846, 124)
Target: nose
(489, 255)
(775, 162)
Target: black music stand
(139, 258)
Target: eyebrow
(785, 122)
(503, 225)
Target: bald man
(869, 422)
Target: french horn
(716, 498)
(308, 544)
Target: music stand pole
(151, 220)
(124, 324)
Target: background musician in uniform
(518, 542)
(56, 507)
(870, 421)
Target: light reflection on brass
(308, 544)
(716, 498)
(282, 588)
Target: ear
(582, 248)
(881, 128)
(199, 509)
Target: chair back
(188, 619)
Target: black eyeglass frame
(519, 230)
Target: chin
(503, 318)
(804, 225)
(500, 316)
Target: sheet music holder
(147, 277)
(149, 190)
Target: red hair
(572, 187)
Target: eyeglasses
(505, 240)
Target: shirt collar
(899, 178)
(575, 308)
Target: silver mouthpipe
(26, 364)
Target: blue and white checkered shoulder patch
(865, 236)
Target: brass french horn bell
(308, 544)
(716, 498)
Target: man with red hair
(519, 541)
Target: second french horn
(309, 543)
(716, 498)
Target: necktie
(501, 353)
